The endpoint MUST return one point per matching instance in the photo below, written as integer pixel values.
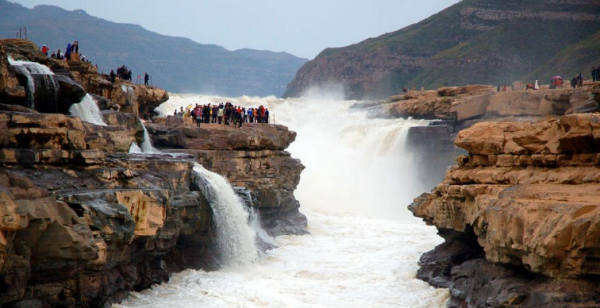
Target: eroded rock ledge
(520, 215)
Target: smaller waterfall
(32, 69)
(236, 239)
(87, 110)
(145, 146)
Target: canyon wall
(519, 214)
(85, 222)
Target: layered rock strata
(519, 215)
(83, 222)
(253, 157)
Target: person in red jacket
(45, 50)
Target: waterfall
(32, 69)
(87, 110)
(236, 239)
(146, 145)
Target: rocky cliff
(473, 41)
(84, 222)
(519, 214)
(75, 79)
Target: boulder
(70, 93)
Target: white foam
(347, 261)
(87, 110)
(236, 239)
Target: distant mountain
(472, 42)
(176, 64)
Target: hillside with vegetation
(174, 63)
(472, 42)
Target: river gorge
(455, 197)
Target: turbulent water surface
(364, 244)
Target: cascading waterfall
(32, 69)
(87, 110)
(235, 238)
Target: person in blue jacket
(68, 52)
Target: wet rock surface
(526, 195)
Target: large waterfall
(87, 110)
(235, 237)
(32, 69)
(364, 246)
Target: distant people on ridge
(146, 78)
(113, 76)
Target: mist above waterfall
(353, 164)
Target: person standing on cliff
(198, 116)
(146, 78)
(45, 50)
(68, 52)
(220, 114)
(267, 115)
(594, 74)
(215, 113)
(112, 76)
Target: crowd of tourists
(125, 73)
(225, 114)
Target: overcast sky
(300, 27)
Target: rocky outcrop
(75, 79)
(10, 91)
(519, 215)
(123, 95)
(219, 137)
